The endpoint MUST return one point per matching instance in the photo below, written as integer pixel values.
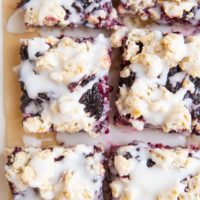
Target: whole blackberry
(128, 81)
(93, 101)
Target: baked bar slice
(163, 12)
(69, 13)
(154, 172)
(64, 84)
(159, 80)
(56, 173)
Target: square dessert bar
(159, 80)
(163, 12)
(65, 84)
(69, 13)
(58, 173)
(154, 172)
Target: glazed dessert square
(65, 84)
(159, 80)
(69, 13)
(163, 12)
(154, 172)
(56, 173)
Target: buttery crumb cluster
(159, 80)
(64, 84)
(154, 172)
(69, 13)
(163, 12)
(57, 173)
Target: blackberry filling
(196, 96)
(38, 54)
(122, 119)
(68, 13)
(150, 163)
(175, 88)
(186, 13)
(140, 44)
(174, 70)
(196, 81)
(127, 155)
(77, 7)
(42, 97)
(93, 101)
(97, 149)
(25, 99)
(83, 82)
(128, 81)
(187, 95)
(84, 3)
(125, 63)
(102, 126)
(24, 52)
(86, 80)
(59, 158)
(171, 73)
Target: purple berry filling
(26, 101)
(150, 163)
(171, 73)
(59, 158)
(93, 101)
(24, 52)
(128, 81)
(96, 101)
(83, 82)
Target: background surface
(4, 194)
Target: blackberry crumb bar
(163, 12)
(159, 80)
(154, 172)
(65, 84)
(69, 13)
(56, 173)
